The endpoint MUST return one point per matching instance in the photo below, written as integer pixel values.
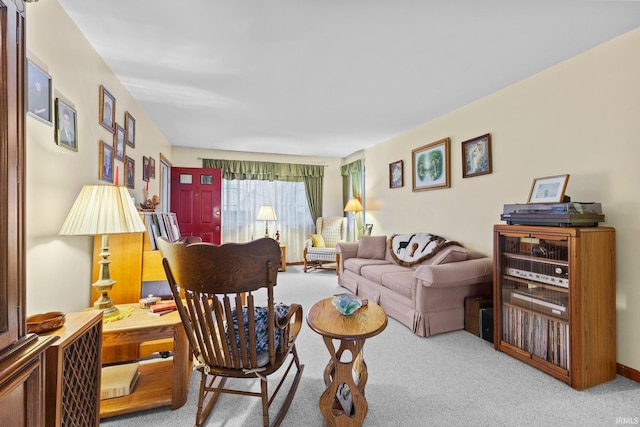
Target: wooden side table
(351, 332)
(283, 257)
(161, 383)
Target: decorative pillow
(372, 247)
(318, 241)
(453, 253)
(262, 331)
(411, 249)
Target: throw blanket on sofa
(410, 249)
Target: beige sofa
(428, 295)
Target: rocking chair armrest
(294, 310)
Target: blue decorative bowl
(346, 304)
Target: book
(163, 306)
(163, 312)
(118, 380)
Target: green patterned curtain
(352, 184)
(311, 175)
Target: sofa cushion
(372, 247)
(355, 264)
(400, 282)
(375, 272)
(317, 240)
(449, 254)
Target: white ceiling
(328, 78)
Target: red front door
(196, 198)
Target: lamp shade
(266, 213)
(102, 209)
(353, 205)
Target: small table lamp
(266, 214)
(354, 206)
(103, 209)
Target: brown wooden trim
(627, 372)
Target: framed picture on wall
(145, 168)
(118, 142)
(431, 166)
(107, 109)
(476, 156)
(130, 129)
(152, 168)
(396, 174)
(129, 172)
(106, 162)
(38, 93)
(66, 125)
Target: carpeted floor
(453, 379)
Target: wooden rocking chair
(215, 281)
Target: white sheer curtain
(241, 200)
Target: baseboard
(628, 372)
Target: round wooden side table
(336, 405)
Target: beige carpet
(453, 379)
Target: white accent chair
(333, 229)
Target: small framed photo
(145, 168)
(118, 142)
(367, 229)
(107, 109)
(152, 168)
(431, 166)
(130, 129)
(549, 189)
(106, 162)
(476, 156)
(39, 93)
(65, 130)
(130, 172)
(396, 174)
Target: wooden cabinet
(554, 300)
(21, 355)
(73, 368)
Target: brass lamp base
(104, 303)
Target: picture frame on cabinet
(396, 174)
(39, 91)
(431, 166)
(106, 162)
(107, 110)
(130, 129)
(476, 156)
(129, 172)
(119, 142)
(66, 134)
(549, 189)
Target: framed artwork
(367, 229)
(130, 129)
(145, 168)
(118, 142)
(65, 129)
(152, 168)
(129, 172)
(476, 156)
(396, 174)
(431, 166)
(39, 93)
(107, 109)
(549, 189)
(106, 162)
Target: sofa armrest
(347, 249)
(307, 244)
(460, 273)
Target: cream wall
(59, 267)
(581, 117)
